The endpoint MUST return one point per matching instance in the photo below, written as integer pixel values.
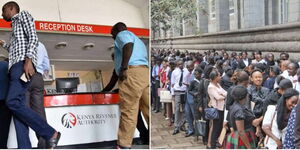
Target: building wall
(101, 12)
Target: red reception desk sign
(76, 28)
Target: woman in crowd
(257, 96)
(241, 119)
(217, 97)
(276, 119)
(289, 140)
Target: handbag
(200, 128)
(165, 96)
(211, 113)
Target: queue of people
(245, 101)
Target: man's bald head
(118, 27)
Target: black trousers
(217, 129)
(35, 99)
(157, 103)
(144, 132)
(5, 119)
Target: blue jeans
(190, 112)
(23, 115)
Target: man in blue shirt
(131, 65)
(5, 114)
(35, 96)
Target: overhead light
(88, 46)
(61, 45)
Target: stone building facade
(235, 25)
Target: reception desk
(81, 118)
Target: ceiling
(74, 57)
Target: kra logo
(69, 120)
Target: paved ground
(161, 136)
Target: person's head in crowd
(211, 60)
(274, 71)
(225, 56)
(215, 76)
(284, 65)
(285, 104)
(283, 84)
(216, 54)
(284, 56)
(165, 64)
(233, 55)
(258, 55)
(172, 65)
(240, 56)
(261, 66)
(292, 68)
(222, 52)
(256, 77)
(239, 94)
(208, 71)
(9, 9)
(198, 73)
(118, 27)
(218, 57)
(158, 61)
(249, 68)
(228, 71)
(270, 59)
(244, 55)
(190, 66)
(180, 64)
(202, 65)
(177, 53)
(226, 63)
(242, 78)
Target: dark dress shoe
(182, 128)
(52, 143)
(175, 131)
(122, 147)
(189, 134)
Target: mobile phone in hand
(24, 78)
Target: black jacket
(241, 64)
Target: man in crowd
(179, 92)
(23, 60)
(131, 65)
(35, 95)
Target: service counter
(81, 118)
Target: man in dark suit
(5, 114)
(245, 61)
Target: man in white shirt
(179, 91)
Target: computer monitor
(66, 85)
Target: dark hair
(242, 76)
(213, 74)
(261, 66)
(199, 70)
(11, 4)
(258, 52)
(295, 64)
(275, 69)
(239, 93)
(255, 70)
(281, 107)
(119, 26)
(207, 71)
(285, 83)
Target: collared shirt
(139, 54)
(246, 62)
(155, 71)
(23, 40)
(176, 74)
(42, 59)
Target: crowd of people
(244, 101)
